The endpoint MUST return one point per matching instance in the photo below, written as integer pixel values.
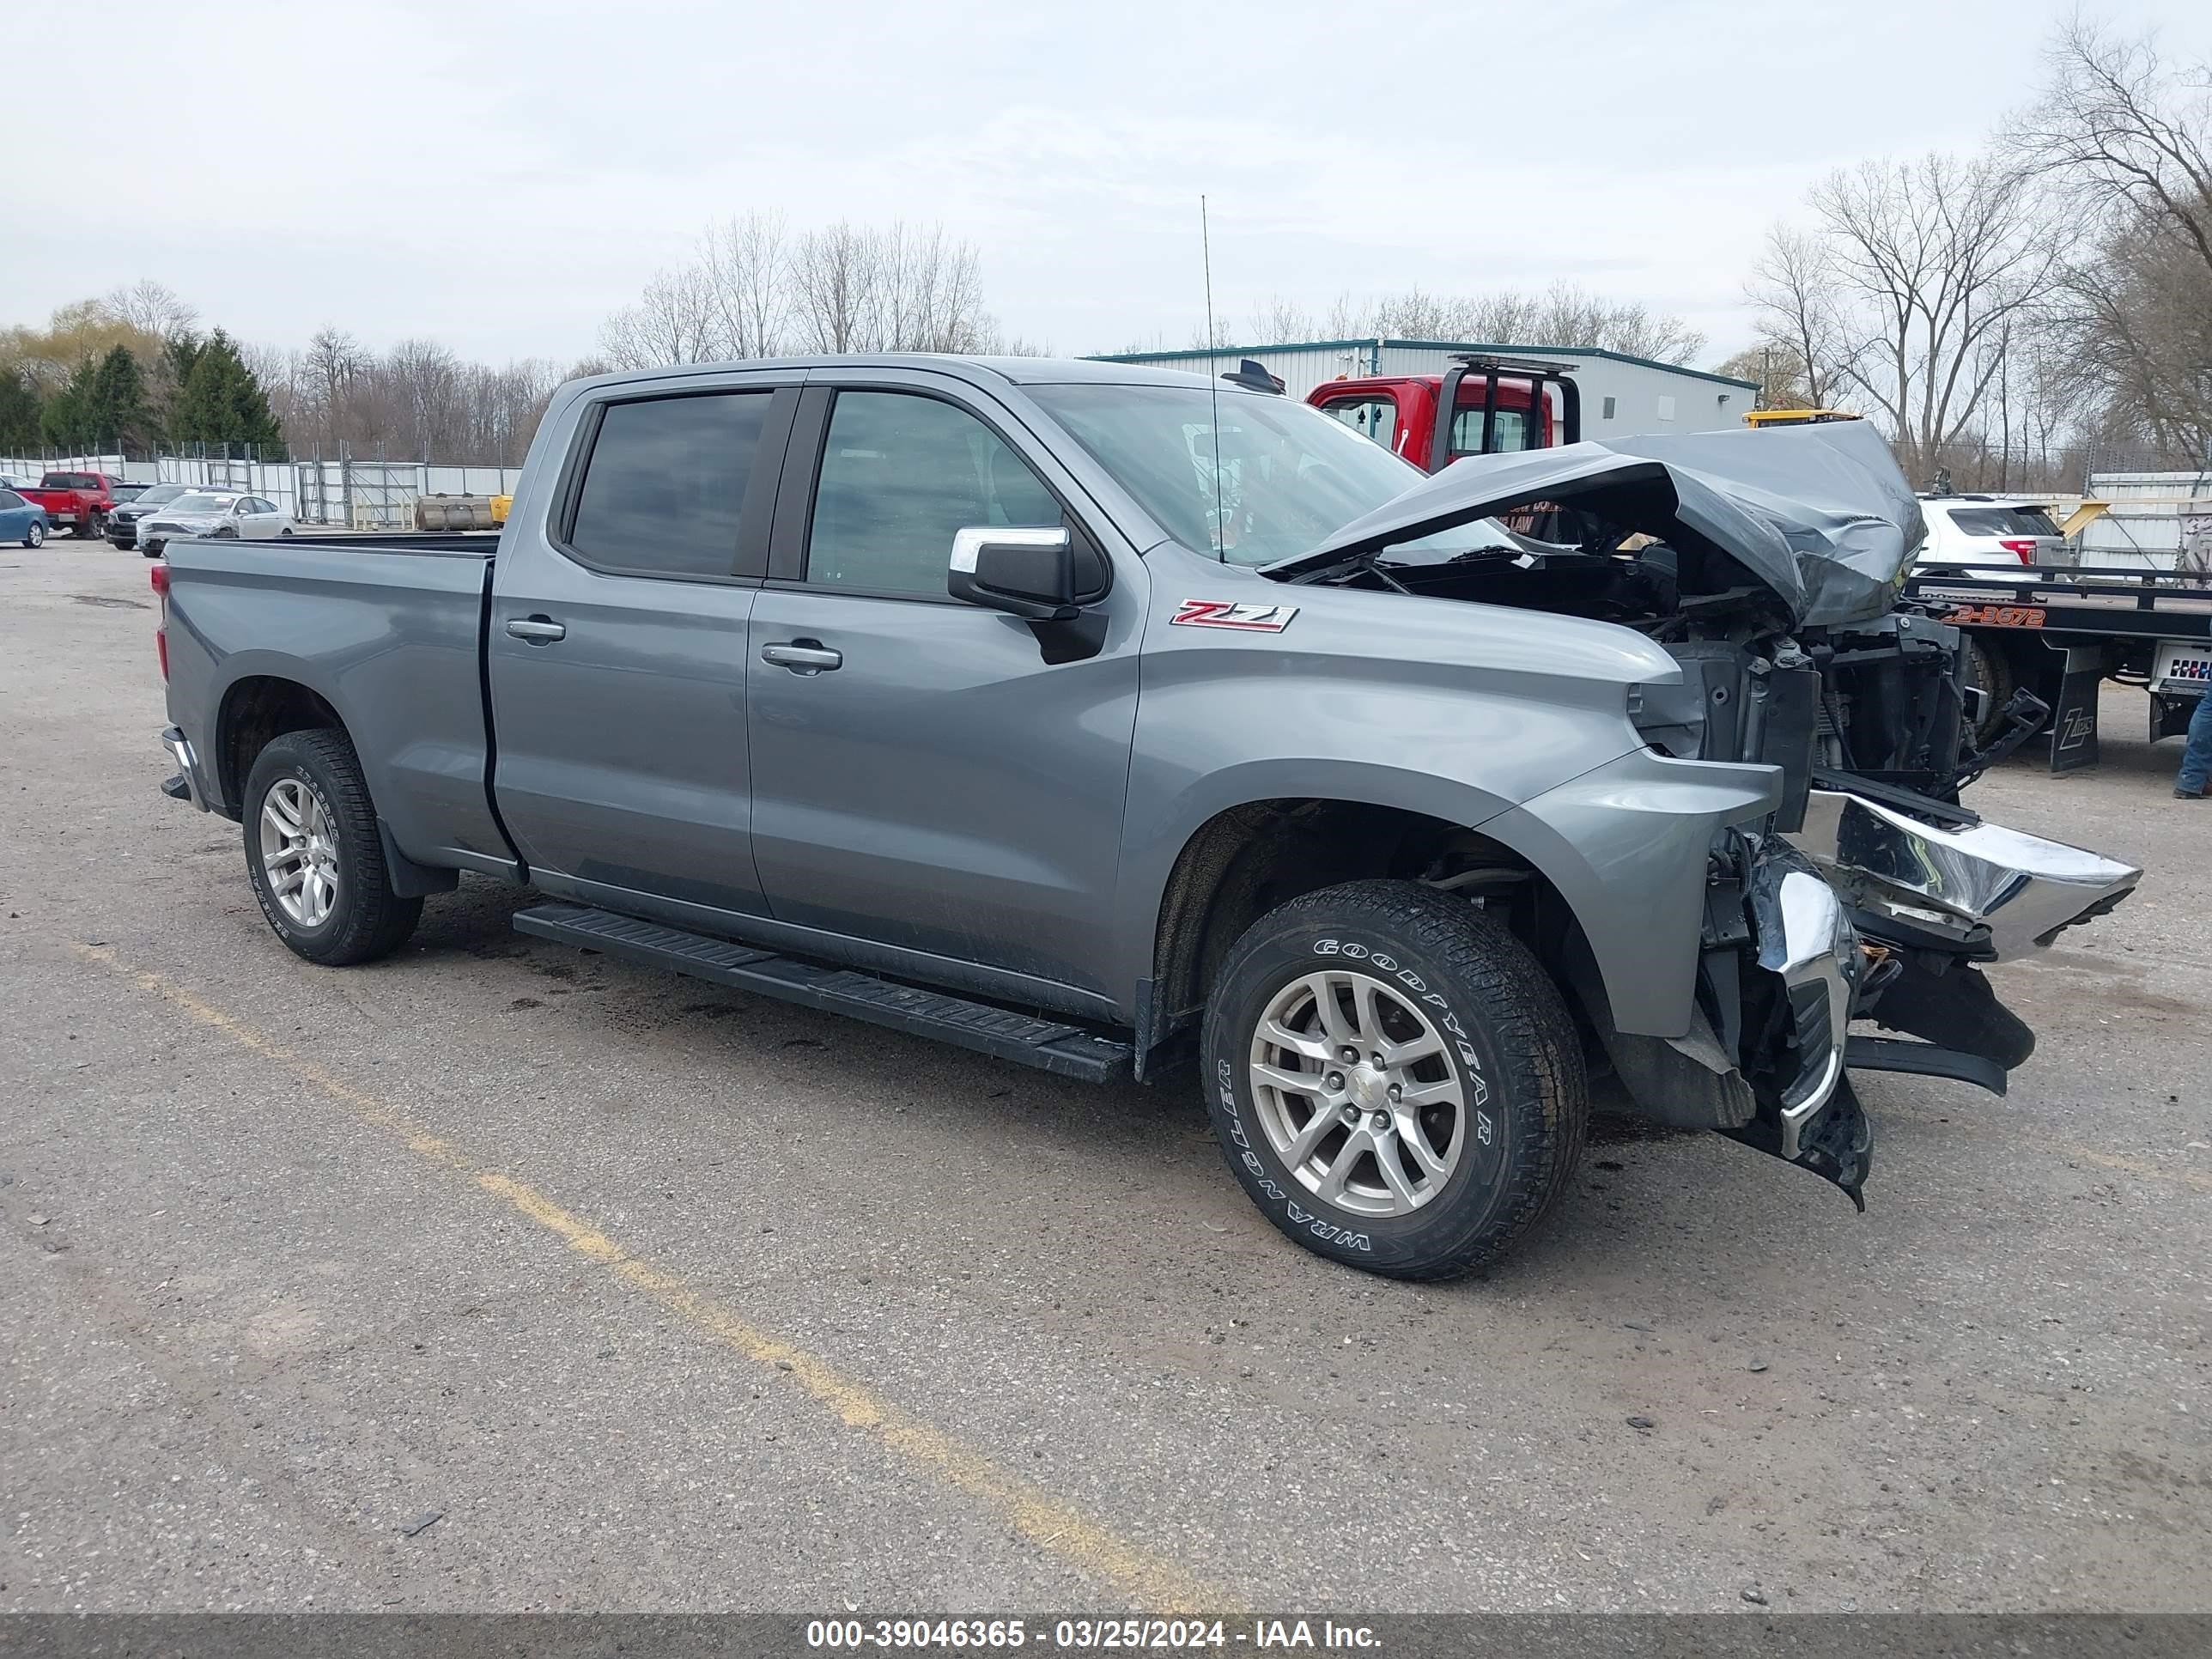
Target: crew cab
(1109, 721)
(77, 501)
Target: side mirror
(1025, 573)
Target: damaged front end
(1768, 565)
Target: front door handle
(803, 656)
(539, 630)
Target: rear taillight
(2023, 546)
(158, 575)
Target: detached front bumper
(1980, 889)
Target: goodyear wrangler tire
(1394, 1079)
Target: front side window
(900, 475)
(666, 483)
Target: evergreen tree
(62, 420)
(115, 410)
(20, 431)
(222, 402)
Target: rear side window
(666, 483)
(70, 480)
(9, 499)
(1510, 431)
(900, 474)
(2002, 521)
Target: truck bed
(396, 639)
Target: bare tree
(1794, 290)
(745, 259)
(1934, 260)
(2127, 142)
(676, 320)
(832, 277)
(151, 308)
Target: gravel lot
(500, 1276)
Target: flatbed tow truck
(2043, 643)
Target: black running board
(1063, 1050)
(1865, 1054)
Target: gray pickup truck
(1110, 720)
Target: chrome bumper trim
(1805, 937)
(1955, 881)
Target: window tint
(665, 482)
(70, 480)
(1375, 417)
(2002, 521)
(9, 499)
(900, 474)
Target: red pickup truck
(78, 501)
(1498, 403)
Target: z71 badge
(1220, 613)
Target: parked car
(983, 701)
(22, 519)
(123, 522)
(1996, 535)
(216, 515)
(77, 501)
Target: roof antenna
(1220, 514)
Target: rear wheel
(1395, 1078)
(1988, 669)
(313, 855)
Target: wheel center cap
(1367, 1087)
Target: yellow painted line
(1056, 1527)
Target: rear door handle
(803, 656)
(539, 630)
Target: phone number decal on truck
(1997, 616)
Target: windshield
(2003, 521)
(199, 503)
(1288, 475)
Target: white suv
(1990, 537)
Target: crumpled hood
(1819, 513)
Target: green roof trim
(1416, 345)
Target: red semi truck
(1496, 404)
(78, 501)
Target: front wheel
(313, 855)
(36, 536)
(1394, 1079)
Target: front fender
(1626, 844)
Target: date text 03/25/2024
(1109, 1635)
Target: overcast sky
(501, 178)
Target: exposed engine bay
(1767, 565)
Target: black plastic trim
(1049, 1045)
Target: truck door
(616, 649)
(930, 776)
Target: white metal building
(2155, 518)
(1621, 396)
